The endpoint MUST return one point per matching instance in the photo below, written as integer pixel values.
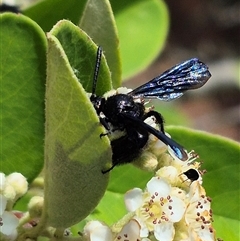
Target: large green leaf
(22, 80)
(143, 28)
(103, 33)
(74, 154)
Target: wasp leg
(105, 125)
(108, 170)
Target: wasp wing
(172, 84)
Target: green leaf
(47, 13)
(142, 28)
(104, 33)
(220, 158)
(22, 80)
(169, 111)
(227, 227)
(81, 53)
(75, 155)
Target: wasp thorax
(118, 104)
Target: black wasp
(124, 112)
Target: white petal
(164, 231)
(2, 180)
(177, 210)
(144, 230)
(205, 234)
(97, 231)
(10, 223)
(3, 203)
(131, 231)
(133, 199)
(90, 226)
(179, 193)
(101, 234)
(158, 185)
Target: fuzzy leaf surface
(81, 53)
(75, 154)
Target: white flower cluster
(12, 187)
(173, 207)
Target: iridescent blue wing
(172, 84)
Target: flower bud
(35, 206)
(18, 182)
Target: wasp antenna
(97, 67)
